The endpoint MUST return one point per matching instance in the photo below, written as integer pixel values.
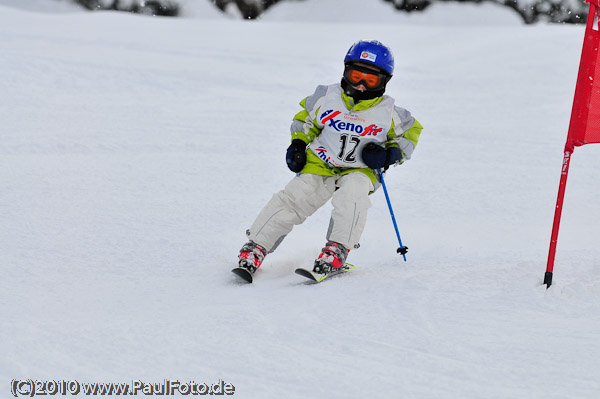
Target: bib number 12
(348, 150)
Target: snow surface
(43, 6)
(135, 151)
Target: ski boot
(251, 256)
(332, 258)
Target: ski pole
(402, 250)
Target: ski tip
(306, 273)
(243, 273)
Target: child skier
(343, 132)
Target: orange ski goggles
(355, 75)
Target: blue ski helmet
(373, 52)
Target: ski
(317, 278)
(248, 277)
(243, 273)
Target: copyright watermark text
(31, 388)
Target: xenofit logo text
(338, 125)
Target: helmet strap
(358, 95)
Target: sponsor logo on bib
(340, 126)
(322, 153)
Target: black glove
(296, 155)
(377, 157)
(393, 155)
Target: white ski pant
(305, 194)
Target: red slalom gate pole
(557, 213)
(584, 127)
